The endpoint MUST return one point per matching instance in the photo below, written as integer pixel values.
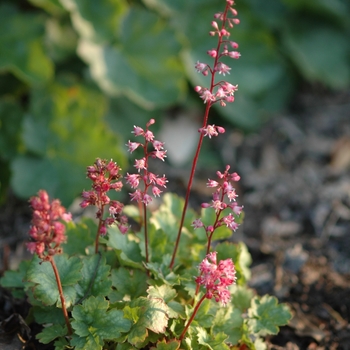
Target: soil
(295, 187)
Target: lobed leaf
(45, 289)
(94, 279)
(266, 315)
(50, 333)
(132, 284)
(94, 323)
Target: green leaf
(43, 276)
(10, 118)
(48, 314)
(98, 23)
(132, 284)
(152, 315)
(166, 220)
(143, 65)
(228, 320)
(21, 45)
(162, 272)
(65, 130)
(305, 45)
(94, 279)
(51, 6)
(80, 236)
(127, 250)
(241, 297)
(48, 334)
(216, 342)
(266, 315)
(94, 324)
(166, 293)
(170, 345)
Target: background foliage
(77, 74)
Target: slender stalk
(146, 230)
(60, 291)
(98, 231)
(200, 141)
(192, 317)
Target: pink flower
(222, 68)
(132, 146)
(216, 277)
(140, 164)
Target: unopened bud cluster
(47, 230)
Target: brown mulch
(295, 189)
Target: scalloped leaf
(45, 288)
(229, 321)
(170, 345)
(80, 236)
(129, 283)
(94, 279)
(216, 342)
(152, 314)
(50, 333)
(14, 280)
(127, 250)
(266, 315)
(93, 323)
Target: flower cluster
(224, 91)
(216, 277)
(47, 230)
(224, 191)
(149, 179)
(105, 177)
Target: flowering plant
(166, 284)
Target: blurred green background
(76, 75)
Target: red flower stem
(192, 317)
(146, 230)
(60, 291)
(200, 141)
(98, 231)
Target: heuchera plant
(166, 284)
